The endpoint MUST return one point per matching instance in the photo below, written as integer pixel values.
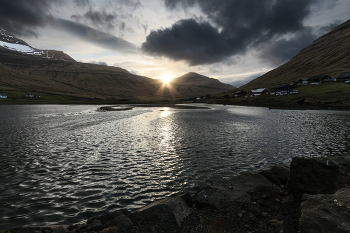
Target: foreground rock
(326, 213)
(223, 193)
(313, 176)
(249, 202)
(278, 174)
(166, 214)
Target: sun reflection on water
(165, 112)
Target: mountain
(24, 69)
(195, 85)
(10, 42)
(329, 54)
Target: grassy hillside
(330, 54)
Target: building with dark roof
(283, 87)
(345, 76)
(320, 78)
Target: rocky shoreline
(308, 195)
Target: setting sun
(166, 78)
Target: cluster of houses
(4, 96)
(287, 89)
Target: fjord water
(63, 164)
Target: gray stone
(110, 230)
(222, 193)
(326, 213)
(59, 229)
(123, 224)
(108, 217)
(282, 172)
(284, 227)
(344, 162)
(268, 174)
(312, 176)
(81, 226)
(171, 209)
(95, 225)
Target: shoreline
(269, 199)
(175, 104)
(289, 107)
(178, 105)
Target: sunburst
(166, 78)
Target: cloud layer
(23, 17)
(232, 27)
(96, 37)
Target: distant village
(4, 96)
(289, 89)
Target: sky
(234, 41)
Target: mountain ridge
(28, 72)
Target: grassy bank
(323, 96)
(317, 96)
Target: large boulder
(326, 213)
(122, 224)
(278, 174)
(313, 176)
(223, 193)
(108, 217)
(169, 212)
(344, 163)
(268, 174)
(282, 172)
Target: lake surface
(62, 164)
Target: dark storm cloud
(109, 14)
(325, 29)
(97, 18)
(282, 50)
(232, 27)
(23, 17)
(96, 37)
(195, 42)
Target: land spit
(307, 195)
(130, 107)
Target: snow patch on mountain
(10, 42)
(17, 47)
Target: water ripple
(63, 164)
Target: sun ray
(166, 77)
